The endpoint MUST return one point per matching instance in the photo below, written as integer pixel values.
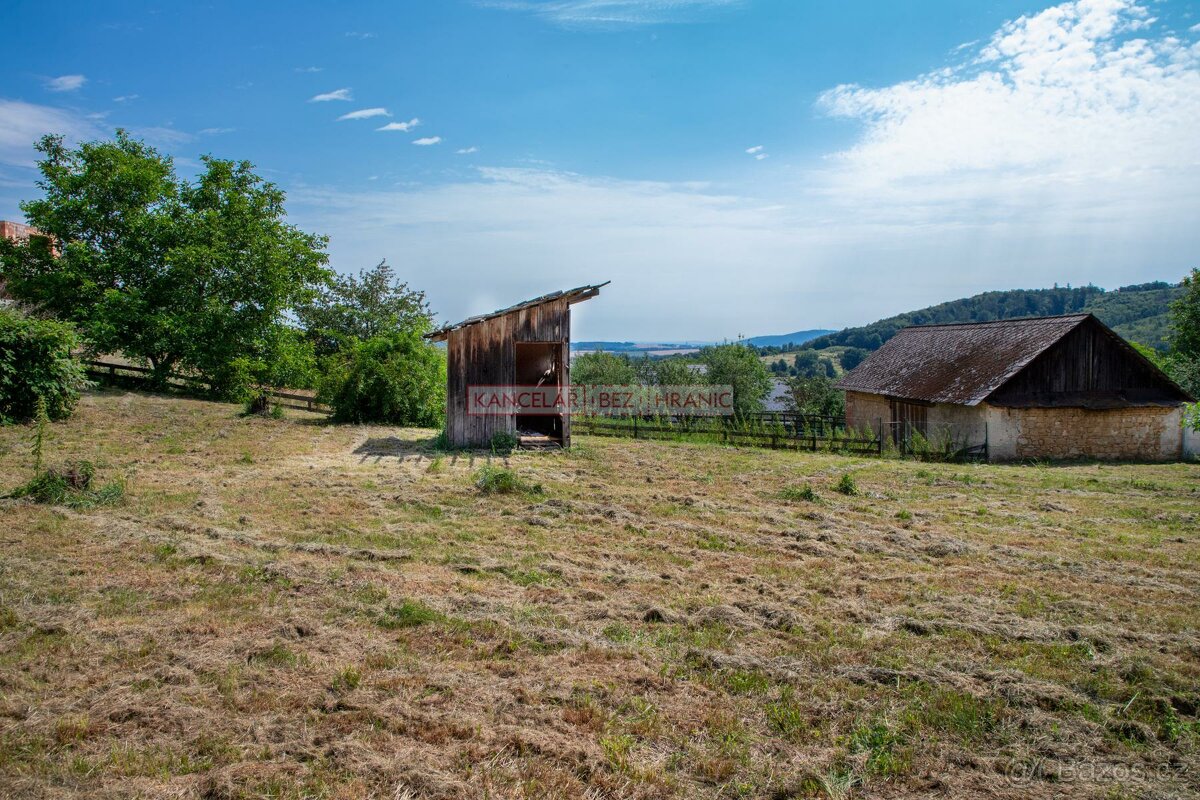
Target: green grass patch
(804, 493)
(491, 479)
(408, 614)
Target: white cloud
(336, 94)
(760, 156)
(1078, 104)
(215, 131)
(359, 35)
(163, 136)
(464, 151)
(66, 83)
(756, 149)
(309, 69)
(613, 13)
(22, 124)
(365, 113)
(1059, 150)
(125, 98)
(404, 127)
(427, 140)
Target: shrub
(846, 485)
(36, 361)
(397, 378)
(498, 480)
(805, 493)
(71, 486)
(503, 442)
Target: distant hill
(636, 348)
(798, 337)
(1139, 313)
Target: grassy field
(287, 608)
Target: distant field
(289, 608)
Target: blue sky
(734, 166)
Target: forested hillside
(1139, 313)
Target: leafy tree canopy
(36, 362)
(373, 303)
(738, 366)
(816, 395)
(186, 275)
(603, 369)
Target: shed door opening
(539, 364)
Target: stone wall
(1151, 433)
(864, 411)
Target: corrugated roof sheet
(960, 363)
(576, 295)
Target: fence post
(880, 422)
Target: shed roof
(576, 295)
(958, 363)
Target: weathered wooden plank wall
(1087, 361)
(484, 354)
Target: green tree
(396, 378)
(676, 372)
(806, 364)
(357, 308)
(36, 362)
(1183, 361)
(603, 369)
(816, 395)
(851, 357)
(1185, 319)
(194, 276)
(738, 366)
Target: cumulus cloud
(1079, 103)
(365, 113)
(756, 149)
(464, 151)
(613, 13)
(427, 140)
(125, 98)
(1059, 149)
(66, 83)
(403, 127)
(336, 94)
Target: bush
(397, 379)
(503, 442)
(71, 486)
(497, 480)
(805, 493)
(846, 485)
(36, 361)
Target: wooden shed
(526, 345)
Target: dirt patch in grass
(286, 608)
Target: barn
(526, 345)
(1041, 387)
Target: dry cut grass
(287, 608)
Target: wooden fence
(778, 430)
(131, 374)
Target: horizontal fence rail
(133, 374)
(776, 430)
